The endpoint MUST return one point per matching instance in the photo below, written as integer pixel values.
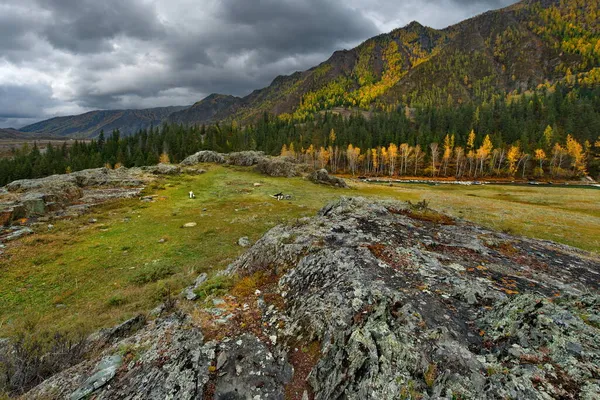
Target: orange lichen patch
(303, 358)
(360, 316)
(239, 312)
(510, 292)
(504, 248)
(426, 215)
(390, 256)
(481, 268)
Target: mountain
(90, 124)
(13, 134)
(515, 48)
(209, 109)
(531, 43)
(10, 133)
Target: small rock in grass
(244, 242)
(190, 225)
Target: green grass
(86, 276)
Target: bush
(30, 358)
(216, 286)
(152, 272)
(115, 301)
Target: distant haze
(63, 57)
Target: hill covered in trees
(513, 92)
(514, 49)
(90, 124)
(550, 133)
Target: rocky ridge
(72, 194)
(396, 300)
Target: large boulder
(204, 156)
(322, 177)
(163, 169)
(245, 158)
(280, 167)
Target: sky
(65, 57)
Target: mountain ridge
(515, 48)
(90, 124)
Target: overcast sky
(63, 57)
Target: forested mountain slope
(92, 123)
(516, 48)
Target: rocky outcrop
(163, 169)
(280, 167)
(407, 308)
(54, 194)
(204, 156)
(246, 158)
(400, 302)
(322, 177)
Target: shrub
(216, 286)
(152, 272)
(30, 358)
(115, 301)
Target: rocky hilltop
(381, 300)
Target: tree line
(552, 132)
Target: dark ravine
(397, 300)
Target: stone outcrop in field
(76, 191)
(322, 177)
(378, 300)
(204, 156)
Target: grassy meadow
(83, 275)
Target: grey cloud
(140, 53)
(86, 26)
(24, 101)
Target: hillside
(515, 48)
(10, 133)
(90, 124)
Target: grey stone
(244, 241)
(204, 157)
(322, 177)
(280, 167)
(190, 292)
(245, 158)
(248, 370)
(163, 169)
(105, 371)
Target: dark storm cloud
(67, 56)
(87, 26)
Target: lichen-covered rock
(407, 308)
(204, 156)
(322, 177)
(53, 194)
(246, 158)
(163, 169)
(246, 369)
(280, 167)
(167, 359)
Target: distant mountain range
(13, 134)
(520, 47)
(90, 124)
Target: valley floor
(123, 258)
